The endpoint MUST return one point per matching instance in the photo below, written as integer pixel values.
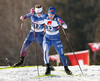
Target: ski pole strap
(21, 25)
(21, 29)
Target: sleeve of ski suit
(64, 25)
(29, 15)
(62, 22)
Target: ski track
(92, 73)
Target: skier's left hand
(22, 18)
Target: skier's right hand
(32, 10)
(21, 18)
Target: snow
(92, 73)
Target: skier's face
(38, 14)
(51, 16)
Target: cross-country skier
(52, 37)
(39, 31)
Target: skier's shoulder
(56, 16)
(44, 15)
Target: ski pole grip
(32, 10)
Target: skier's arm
(25, 16)
(29, 15)
(62, 23)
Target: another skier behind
(52, 37)
(39, 32)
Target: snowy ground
(92, 73)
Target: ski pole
(21, 29)
(72, 49)
(32, 11)
(36, 51)
(7, 62)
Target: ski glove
(60, 21)
(32, 10)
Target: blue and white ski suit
(52, 37)
(39, 32)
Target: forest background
(81, 16)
